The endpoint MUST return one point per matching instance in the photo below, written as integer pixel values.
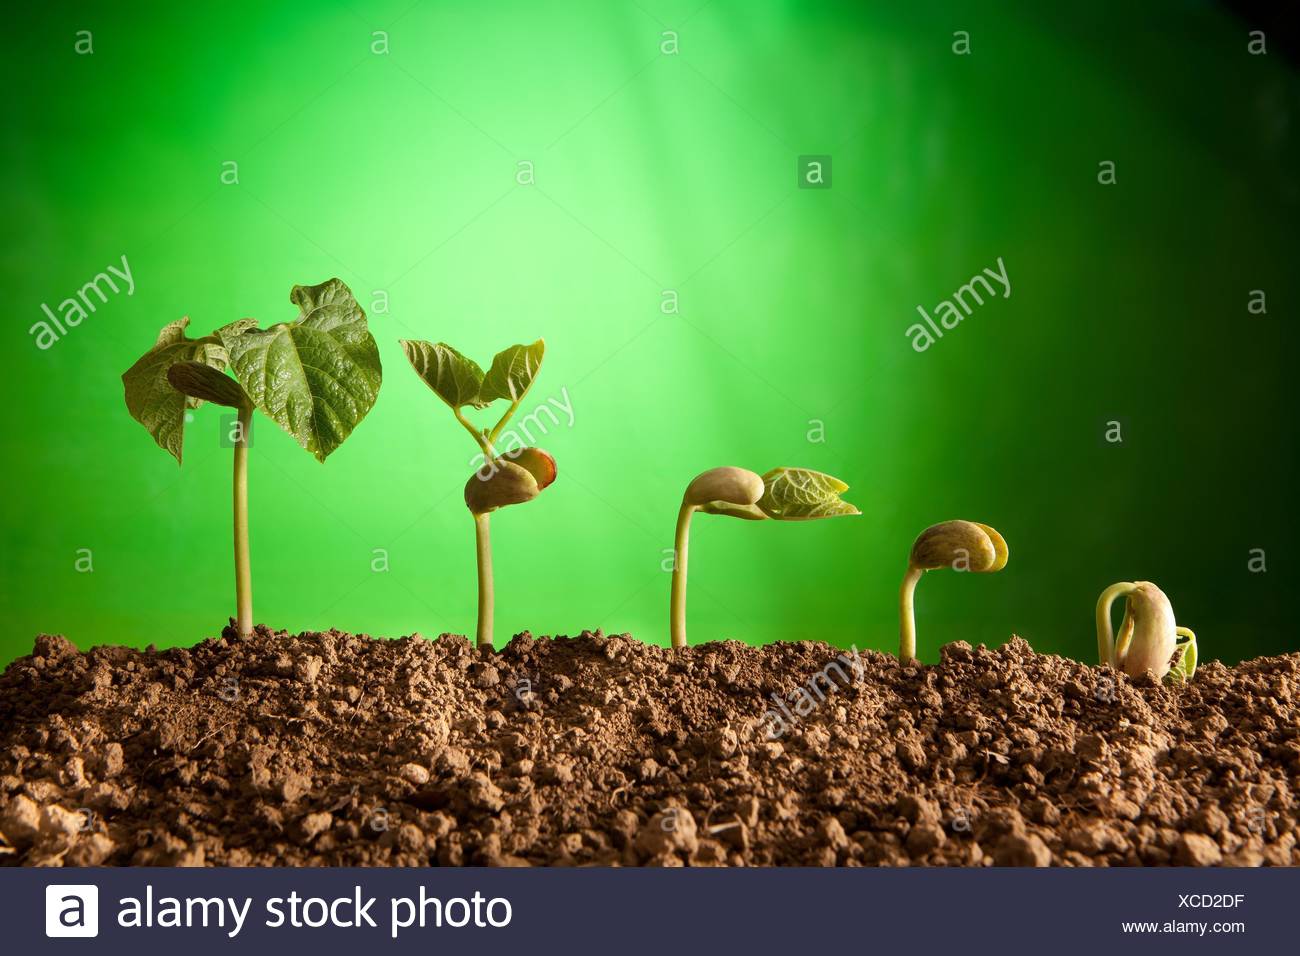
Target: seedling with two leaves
(510, 478)
(783, 494)
(316, 377)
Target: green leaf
(173, 332)
(317, 376)
(1185, 666)
(207, 384)
(799, 494)
(453, 377)
(332, 294)
(512, 372)
(236, 327)
(150, 397)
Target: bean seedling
(784, 494)
(961, 545)
(316, 377)
(1149, 638)
(508, 478)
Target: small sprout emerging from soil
(960, 545)
(1149, 638)
(316, 376)
(784, 494)
(508, 478)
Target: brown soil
(337, 749)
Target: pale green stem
(677, 601)
(243, 571)
(1106, 651)
(496, 429)
(907, 615)
(483, 440)
(485, 595)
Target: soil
(332, 748)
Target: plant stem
(483, 442)
(907, 615)
(243, 571)
(483, 543)
(501, 423)
(677, 602)
(1105, 631)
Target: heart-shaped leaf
(330, 293)
(317, 376)
(512, 372)
(150, 397)
(800, 494)
(454, 378)
(206, 384)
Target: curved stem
(1106, 630)
(677, 601)
(243, 571)
(484, 442)
(907, 615)
(483, 545)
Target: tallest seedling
(316, 377)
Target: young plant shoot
(510, 478)
(1149, 639)
(783, 494)
(961, 545)
(316, 376)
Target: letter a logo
(71, 910)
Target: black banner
(662, 912)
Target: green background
(655, 172)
